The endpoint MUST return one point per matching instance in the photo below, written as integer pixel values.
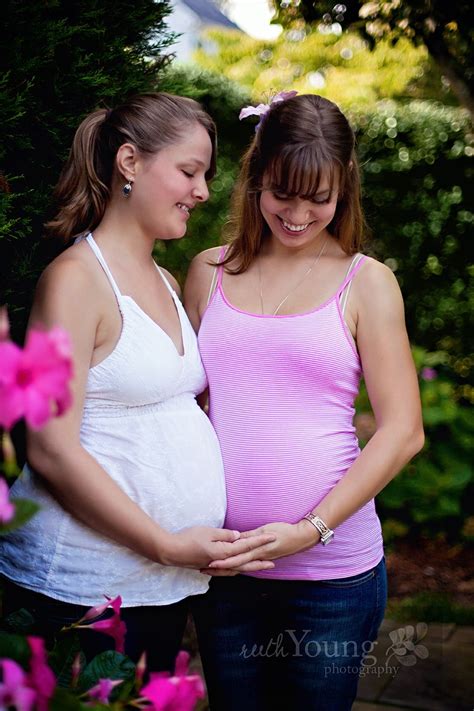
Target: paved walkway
(415, 668)
(420, 667)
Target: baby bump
(175, 475)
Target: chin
(173, 235)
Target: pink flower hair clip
(262, 109)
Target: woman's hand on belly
(289, 539)
(198, 546)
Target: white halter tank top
(142, 424)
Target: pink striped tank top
(282, 391)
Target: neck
(123, 236)
(273, 248)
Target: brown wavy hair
(300, 141)
(148, 121)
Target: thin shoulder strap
(100, 258)
(165, 279)
(217, 274)
(345, 287)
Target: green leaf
(107, 665)
(13, 646)
(62, 656)
(24, 510)
(448, 506)
(64, 700)
(19, 622)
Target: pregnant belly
(176, 476)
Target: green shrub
(433, 494)
(59, 61)
(417, 166)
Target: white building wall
(186, 22)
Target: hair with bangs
(301, 142)
(148, 121)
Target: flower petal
(37, 408)
(253, 111)
(283, 96)
(161, 692)
(181, 664)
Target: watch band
(326, 533)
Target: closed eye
(187, 174)
(312, 198)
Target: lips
(293, 229)
(185, 208)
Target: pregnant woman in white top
(130, 480)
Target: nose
(200, 191)
(299, 212)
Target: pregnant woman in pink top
(289, 321)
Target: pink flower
(11, 409)
(263, 109)
(98, 610)
(14, 690)
(34, 381)
(112, 626)
(101, 691)
(429, 374)
(174, 693)
(7, 509)
(41, 677)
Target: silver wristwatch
(326, 534)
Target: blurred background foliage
(415, 144)
(444, 29)
(339, 66)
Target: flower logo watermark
(406, 645)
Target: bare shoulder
(205, 260)
(172, 281)
(70, 282)
(198, 284)
(201, 271)
(68, 273)
(376, 289)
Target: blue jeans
(158, 630)
(285, 644)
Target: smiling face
(295, 220)
(170, 183)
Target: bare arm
(393, 391)
(67, 296)
(392, 386)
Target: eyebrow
(193, 160)
(318, 194)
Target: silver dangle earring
(127, 189)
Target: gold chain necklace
(307, 272)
